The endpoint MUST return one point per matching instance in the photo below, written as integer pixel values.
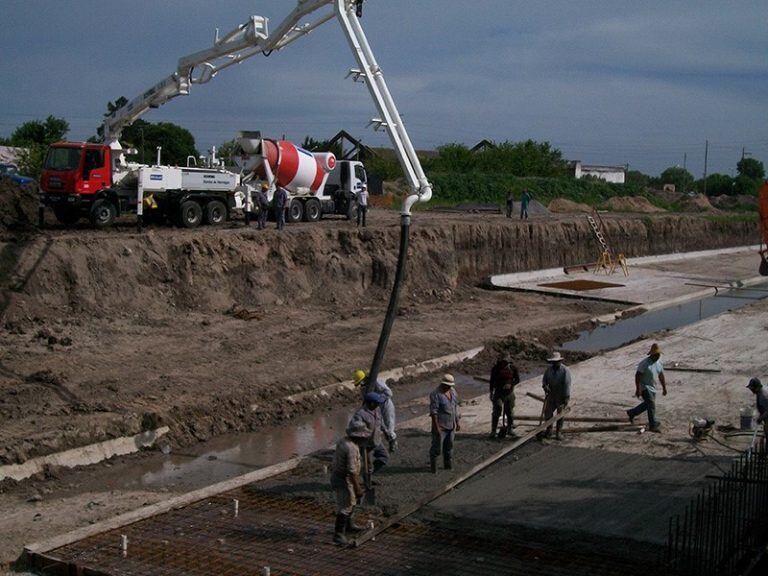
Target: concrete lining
(84, 455)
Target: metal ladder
(597, 229)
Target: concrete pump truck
(97, 181)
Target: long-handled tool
(369, 497)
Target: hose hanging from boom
(389, 319)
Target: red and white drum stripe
(295, 167)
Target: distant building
(613, 174)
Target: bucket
(747, 422)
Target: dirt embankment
(209, 331)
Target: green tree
(637, 178)
(680, 177)
(453, 158)
(751, 168)
(745, 185)
(313, 145)
(177, 143)
(717, 184)
(38, 132)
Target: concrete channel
(582, 507)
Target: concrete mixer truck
(317, 183)
(96, 180)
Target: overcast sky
(638, 83)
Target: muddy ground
(207, 331)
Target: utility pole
(706, 156)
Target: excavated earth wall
(127, 274)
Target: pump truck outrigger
(97, 180)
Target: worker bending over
(761, 399)
(370, 415)
(504, 378)
(387, 408)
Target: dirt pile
(18, 207)
(563, 205)
(695, 203)
(632, 204)
(737, 202)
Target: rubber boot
(433, 465)
(448, 464)
(494, 425)
(353, 528)
(339, 536)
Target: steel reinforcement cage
(725, 528)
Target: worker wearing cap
(648, 371)
(262, 202)
(362, 205)
(370, 415)
(445, 414)
(557, 389)
(504, 378)
(387, 408)
(345, 479)
(761, 397)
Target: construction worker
(280, 200)
(504, 378)
(262, 203)
(362, 205)
(387, 408)
(445, 414)
(345, 479)
(525, 199)
(761, 398)
(370, 414)
(648, 371)
(510, 204)
(557, 389)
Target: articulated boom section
(253, 38)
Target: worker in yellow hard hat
(360, 378)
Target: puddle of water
(234, 454)
(622, 332)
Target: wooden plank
(407, 511)
(161, 507)
(612, 428)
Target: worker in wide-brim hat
(649, 371)
(556, 383)
(445, 415)
(761, 397)
(360, 378)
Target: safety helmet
(359, 376)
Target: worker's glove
(546, 389)
(393, 445)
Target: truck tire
(103, 213)
(66, 215)
(352, 210)
(215, 213)
(312, 210)
(295, 212)
(190, 214)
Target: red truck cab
(75, 177)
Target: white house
(614, 174)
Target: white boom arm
(253, 38)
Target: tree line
(524, 159)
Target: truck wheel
(215, 213)
(103, 213)
(352, 210)
(312, 211)
(295, 211)
(66, 215)
(190, 214)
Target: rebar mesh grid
(294, 536)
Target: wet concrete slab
(589, 491)
(651, 279)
